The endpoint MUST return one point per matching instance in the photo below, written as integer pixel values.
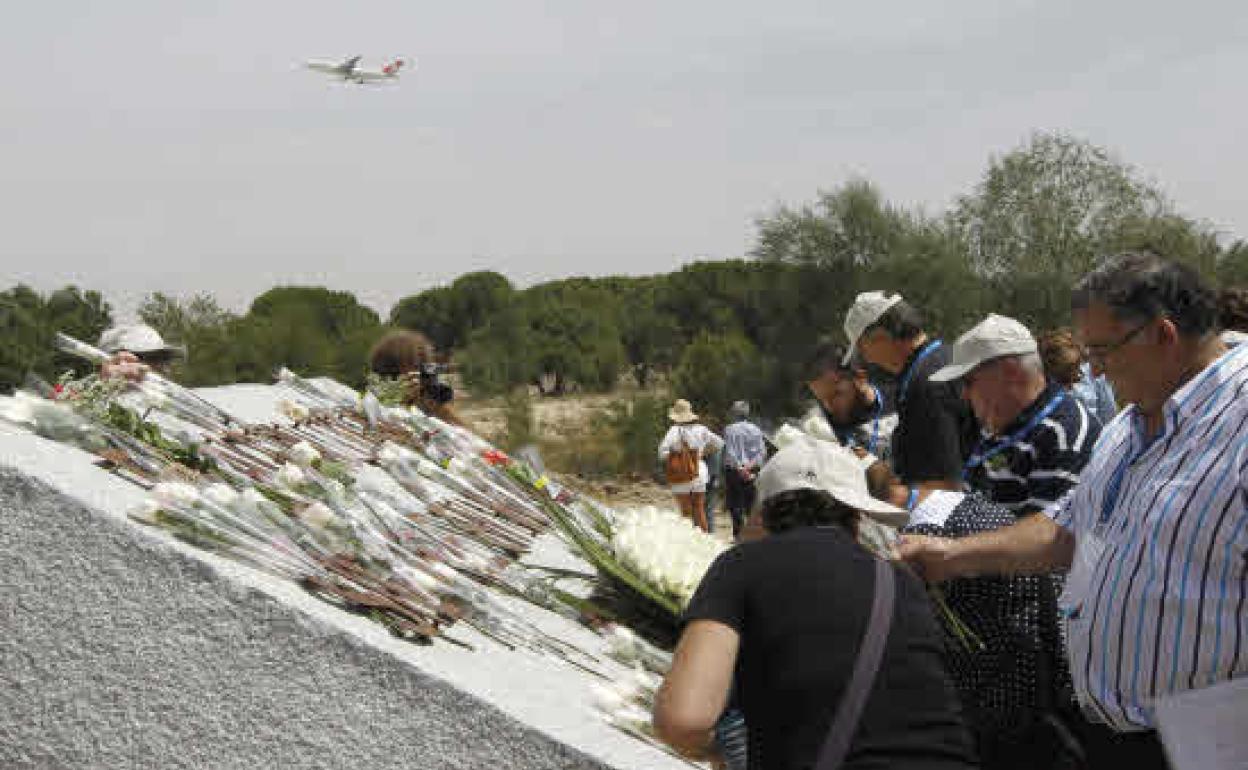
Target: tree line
(1036, 221)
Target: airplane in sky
(349, 70)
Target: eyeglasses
(1097, 353)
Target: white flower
(293, 410)
(426, 468)
(175, 494)
(391, 454)
(334, 489)
(607, 698)
(18, 409)
(221, 494)
(291, 476)
(146, 510)
(664, 549)
(303, 454)
(153, 397)
(317, 515)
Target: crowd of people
(1078, 498)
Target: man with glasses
(1156, 533)
(935, 430)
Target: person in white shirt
(682, 452)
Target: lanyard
(875, 423)
(904, 385)
(979, 457)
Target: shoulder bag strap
(867, 664)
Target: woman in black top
(786, 614)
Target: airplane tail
(393, 67)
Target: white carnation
(221, 494)
(175, 494)
(291, 476)
(317, 515)
(303, 454)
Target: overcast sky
(150, 145)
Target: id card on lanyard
(982, 455)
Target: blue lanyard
(875, 423)
(979, 457)
(904, 385)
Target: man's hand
(124, 366)
(862, 384)
(931, 557)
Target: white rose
(146, 510)
(173, 494)
(335, 490)
(317, 515)
(290, 476)
(389, 454)
(293, 410)
(303, 454)
(154, 397)
(19, 409)
(221, 494)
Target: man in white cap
(136, 349)
(786, 615)
(1035, 437)
(935, 429)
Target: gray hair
(1032, 363)
(740, 409)
(1141, 287)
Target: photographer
(409, 357)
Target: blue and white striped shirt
(1156, 596)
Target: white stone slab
(540, 692)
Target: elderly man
(1035, 437)
(745, 451)
(1155, 533)
(935, 430)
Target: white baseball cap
(868, 307)
(825, 467)
(137, 339)
(994, 337)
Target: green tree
(716, 370)
(448, 315)
(1233, 265)
(849, 227)
(28, 325)
(431, 314)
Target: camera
(431, 385)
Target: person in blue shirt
(745, 451)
